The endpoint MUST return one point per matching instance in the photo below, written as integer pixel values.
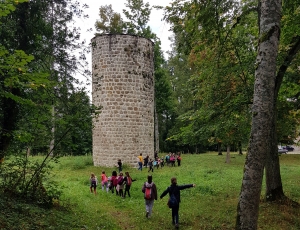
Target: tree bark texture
(274, 188)
(228, 154)
(240, 148)
(260, 142)
(219, 148)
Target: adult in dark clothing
(175, 189)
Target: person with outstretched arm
(174, 198)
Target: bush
(28, 180)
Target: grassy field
(210, 205)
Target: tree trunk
(28, 151)
(10, 117)
(260, 143)
(240, 148)
(274, 189)
(219, 148)
(51, 147)
(228, 154)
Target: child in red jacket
(104, 181)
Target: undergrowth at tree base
(17, 214)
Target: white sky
(159, 27)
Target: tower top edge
(111, 35)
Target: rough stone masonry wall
(123, 84)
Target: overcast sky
(159, 27)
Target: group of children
(113, 183)
(121, 184)
(169, 159)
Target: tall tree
(42, 29)
(289, 48)
(138, 17)
(110, 21)
(77, 116)
(220, 82)
(37, 70)
(263, 112)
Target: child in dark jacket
(114, 181)
(175, 189)
(120, 165)
(128, 181)
(150, 164)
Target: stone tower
(123, 85)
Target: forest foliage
(203, 91)
(44, 108)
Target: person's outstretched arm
(181, 187)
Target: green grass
(210, 205)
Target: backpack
(172, 201)
(129, 180)
(148, 191)
(114, 180)
(120, 180)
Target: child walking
(128, 181)
(120, 165)
(120, 185)
(174, 190)
(150, 191)
(150, 164)
(114, 181)
(162, 162)
(157, 162)
(94, 183)
(104, 181)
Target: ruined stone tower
(123, 84)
